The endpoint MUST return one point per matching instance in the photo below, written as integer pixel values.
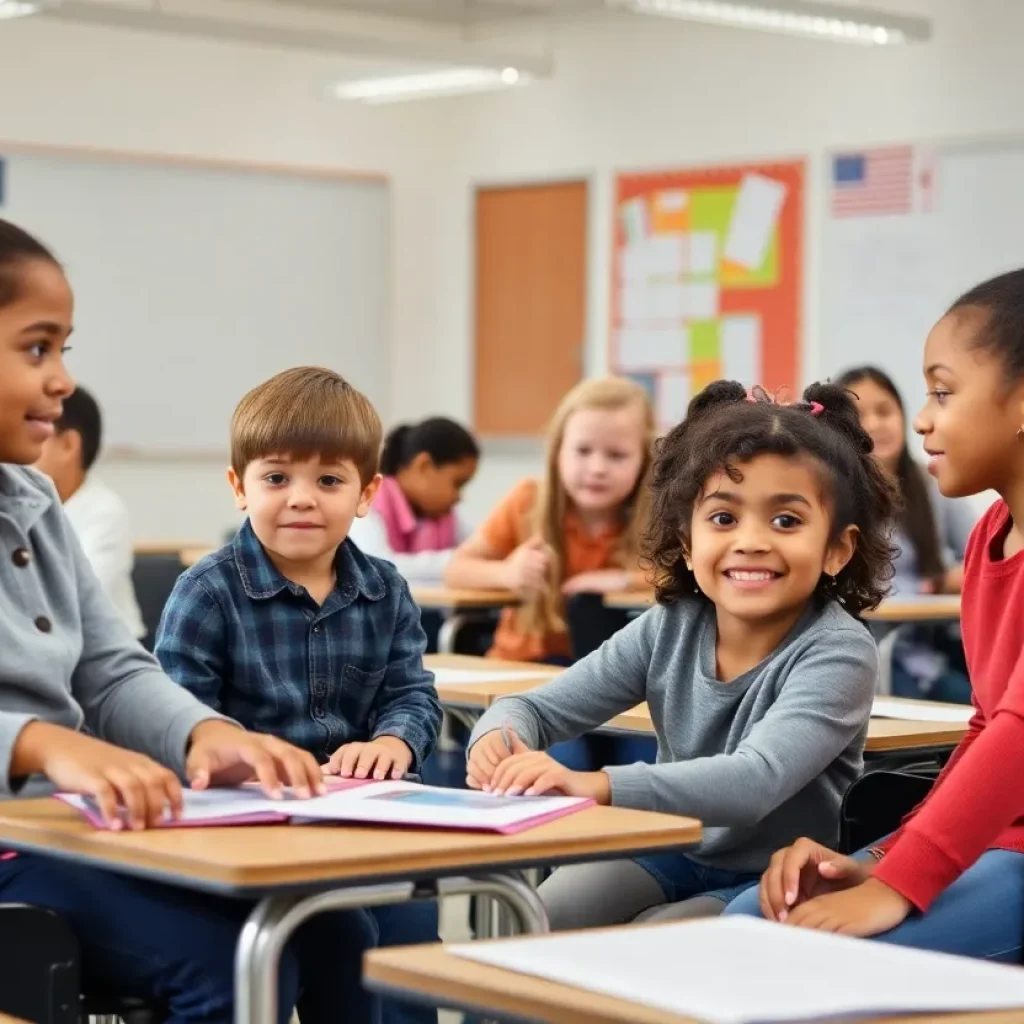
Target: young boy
(290, 629)
(97, 515)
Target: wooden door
(531, 283)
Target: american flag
(876, 181)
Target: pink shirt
(407, 534)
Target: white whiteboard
(887, 280)
(193, 284)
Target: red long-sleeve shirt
(977, 803)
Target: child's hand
(488, 752)
(222, 754)
(601, 581)
(536, 773)
(527, 568)
(865, 910)
(804, 871)
(129, 788)
(384, 756)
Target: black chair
(153, 577)
(875, 805)
(591, 623)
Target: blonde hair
(307, 412)
(546, 612)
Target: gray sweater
(66, 656)
(760, 761)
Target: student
(931, 540)
(290, 629)
(97, 515)
(412, 522)
(68, 662)
(951, 879)
(576, 531)
(769, 534)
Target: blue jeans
(681, 878)
(980, 915)
(406, 924)
(177, 946)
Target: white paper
(673, 396)
(741, 349)
(666, 255)
(920, 711)
(788, 974)
(672, 200)
(753, 220)
(634, 219)
(206, 805)
(653, 348)
(647, 304)
(459, 676)
(703, 252)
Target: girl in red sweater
(952, 877)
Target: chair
(153, 577)
(876, 803)
(591, 623)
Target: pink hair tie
(817, 408)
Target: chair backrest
(40, 976)
(591, 623)
(154, 576)
(875, 805)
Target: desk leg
(448, 632)
(275, 918)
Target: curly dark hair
(724, 428)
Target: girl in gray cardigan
(769, 535)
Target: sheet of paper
(653, 348)
(920, 711)
(703, 253)
(673, 396)
(457, 676)
(753, 220)
(789, 974)
(207, 805)
(663, 303)
(741, 349)
(634, 219)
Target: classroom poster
(706, 280)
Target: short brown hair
(307, 412)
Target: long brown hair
(546, 519)
(916, 515)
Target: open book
(363, 802)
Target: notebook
(363, 802)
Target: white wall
(646, 93)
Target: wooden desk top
(630, 600)
(248, 860)
(445, 979)
(189, 556)
(884, 734)
(168, 547)
(445, 599)
(482, 694)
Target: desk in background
(459, 608)
(298, 871)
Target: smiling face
(759, 544)
(881, 416)
(301, 510)
(971, 419)
(33, 380)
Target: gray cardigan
(760, 761)
(66, 656)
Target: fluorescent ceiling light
(18, 8)
(425, 84)
(834, 22)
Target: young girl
(931, 540)
(412, 522)
(68, 662)
(578, 530)
(769, 533)
(952, 877)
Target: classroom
(507, 511)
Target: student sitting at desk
(292, 630)
(97, 515)
(931, 538)
(769, 533)
(67, 663)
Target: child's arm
(822, 707)
(585, 696)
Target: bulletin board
(707, 280)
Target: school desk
(459, 608)
(166, 547)
(297, 871)
(431, 975)
(191, 555)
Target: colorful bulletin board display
(706, 280)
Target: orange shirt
(505, 529)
